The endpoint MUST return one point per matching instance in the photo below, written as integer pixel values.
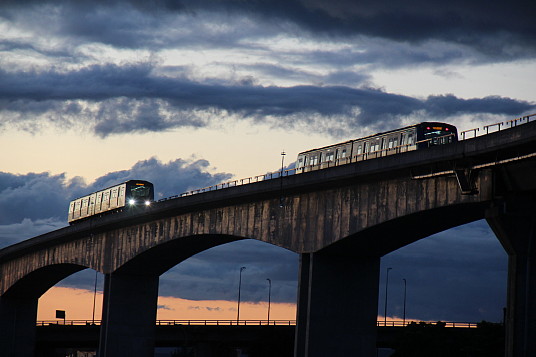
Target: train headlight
(132, 201)
(147, 203)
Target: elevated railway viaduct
(340, 220)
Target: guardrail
(402, 323)
(380, 323)
(177, 322)
(488, 129)
(491, 128)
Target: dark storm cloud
(501, 30)
(32, 196)
(132, 99)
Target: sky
(188, 94)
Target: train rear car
(414, 137)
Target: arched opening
(205, 286)
(459, 274)
(79, 295)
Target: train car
(130, 193)
(414, 137)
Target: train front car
(139, 193)
(434, 133)
(127, 195)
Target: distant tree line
(434, 339)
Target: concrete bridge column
(18, 315)
(128, 315)
(337, 305)
(516, 230)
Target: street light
(94, 297)
(385, 310)
(269, 298)
(404, 318)
(239, 287)
(283, 153)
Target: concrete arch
(18, 306)
(398, 232)
(162, 257)
(36, 283)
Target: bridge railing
(380, 323)
(464, 135)
(491, 128)
(401, 323)
(177, 322)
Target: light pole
(283, 153)
(269, 298)
(239, 287)
(94, 297)
(385, 309)
(404, 318)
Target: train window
(140, 191)
(359, 149)
(375, 146)
(390, 143)
(395, 142)
(329, 156)
(410, 139)
(300, 162)
(343, 154)
(403, 139)
(121, 191)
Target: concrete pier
(128, 315)
(337, 305)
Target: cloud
(503, 31)
(15, 232)
(164, 307)
(131, 98)
(32, 196)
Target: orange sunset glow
(78, 305)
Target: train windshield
(439, 134)
(140, 191)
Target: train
(136, 193)
(129, 194)
(414, 137)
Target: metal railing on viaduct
(340, 220)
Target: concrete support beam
(18, 315)
(337, 305)
(515, 227)
(128, 315)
